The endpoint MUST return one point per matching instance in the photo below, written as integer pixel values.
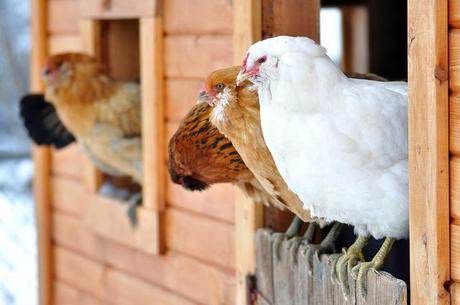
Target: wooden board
(188, 277)
(62, 17)
(454, 124)
(454, 60)
(67, 295)
(67, 162)
(67, 195)
(181, 95)
(117, 9)
(210, 52)
(455, 251)
(287, 274)
(454, 13)
(198, 17)
(60, 43)
(455, 189)
(428, 152)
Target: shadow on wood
(286, 274)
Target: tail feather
(42, 122)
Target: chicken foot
(345, 261)
(134, 201)
(360, 271)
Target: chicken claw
(347, 260)
(360, 271)
(133, 202)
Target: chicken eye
(262, 60)
(220, 86)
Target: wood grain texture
(454, 13)
(455, 189)
(41, 158)
(117, 9)
(428, 152)
(455, 293)
(455, 251)
(181, 95)
(247, 29)
(188, 233)
(288, 273)
(67, 162)
(198, 17)
(454, 60)
(188, 277)
(62, 17)
(454, 124)
(210, 52)
(217, 203)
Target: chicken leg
(133, 201)
(347, 260)
(360, 271)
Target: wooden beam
(41, 156)
(153, 121)
(428, 152)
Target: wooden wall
(199, 265)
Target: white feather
(340, 144)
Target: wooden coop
(198, 248)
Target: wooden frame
(152, 76)
(428, 152)
(42, 159)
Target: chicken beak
(203, 97)
(242, 76)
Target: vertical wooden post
(42, 158)
(247, 29)
(90, 37)
(252, 20)
(153, 119)
(428, 152)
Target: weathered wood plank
(67, 162)
(186, 17)
(62, 17)
(209, 53)
(297, 276)
(181, 95)
(429, 150)
(188, 233)
(217, 202)
(117, 9)
(189, 277)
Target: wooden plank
(62, 17)
(455, 189)
(209, 53)
(181, 17)
(124, 289)
(454, 60)
(455, 251)
(117, 9)
(42, 158)
(454, 13)
(455, 293)
(67, 162)
(67, 295)
(355, 33)
(108, 218)
(264, 265)
(454, 124)
(181, 95)
(198, 236)
(67, 195)
(428, 152)
(187, 276)
(217, 202)
(153, 130)
(63, 43)
(80, 272)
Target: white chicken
(339, 143)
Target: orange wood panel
(454, 123)
(117, 9)
(59, 43)
(455, 189)
(217, 202)
(198, 17)
(429, 150)
(187, 276)
(209, 53)
(201, 237)
(454, 13)
(181, 95)
(67, 162)
(62, 17)
(125, 289)
(80, 272)
(455, 293)
(455, 251)
(454, 60)
(67, 195)
(67, 295)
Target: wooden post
(153, 125)
(42, 158)
(428, 152)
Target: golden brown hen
(200, 156)
(85, 105)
